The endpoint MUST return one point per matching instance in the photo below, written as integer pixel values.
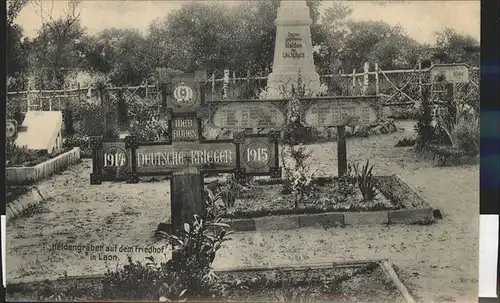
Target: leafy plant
(288, 293)
(365, 180)
(405, 142)
(298, 179)
(194, 250)
(153, 129)
(464, 134)
(425, 130)
(21, 156)
(343, 189)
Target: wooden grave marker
(185, 157)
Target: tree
(56, 44)
(16, 48)
(216, 37)
(121, 54)
(454, 47)
(331, 55)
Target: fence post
(79, 95)
(353, 81)
(420, 79)
(377, 87)
(146, 89)
(225, 83)
(28, 103)
(366, 68)
(213, 85)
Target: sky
(420, 19)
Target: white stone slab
(43, 131)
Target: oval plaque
(339, 112)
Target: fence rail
(399, 86)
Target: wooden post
(353, 81)
(225, 84)
(213, 85)
(420, 80)
(28, 100)
(79, 95)
(450, 104)
(366, 68)
(377, 87)
(186, 192)
(341, 151)
(50, 99)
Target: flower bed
(31, 174)
(446, 155)
(261, 199)
(261, 206)
(361, 282)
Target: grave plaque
(338, 111)
(185, 128)
(451, 73)
(165, 159)
(127, 160)
(245, 114)
(111, 160)
(185, 93)
(260, 154)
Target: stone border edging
(388, 269)
(384, 264)
(333, 219)
(16, 207)
(27, 175)
(447, 160)
(406, 215)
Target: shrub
(150, 130)
(21, 156)
(365, 180)
(465, 135)
(96, 120)
(291, 293)
(188, 275)
(405, 142)
(425, 130)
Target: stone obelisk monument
(293, 53)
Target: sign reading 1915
(127, 159)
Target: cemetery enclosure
(400, 86)
(131, 210)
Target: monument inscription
(292, 42)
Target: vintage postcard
(282, 151)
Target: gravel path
(438, 263)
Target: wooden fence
(397, 86)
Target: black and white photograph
(242, 151)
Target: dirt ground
(438, 263)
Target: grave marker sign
(452, 73)
(241, 114)
(340, 111)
